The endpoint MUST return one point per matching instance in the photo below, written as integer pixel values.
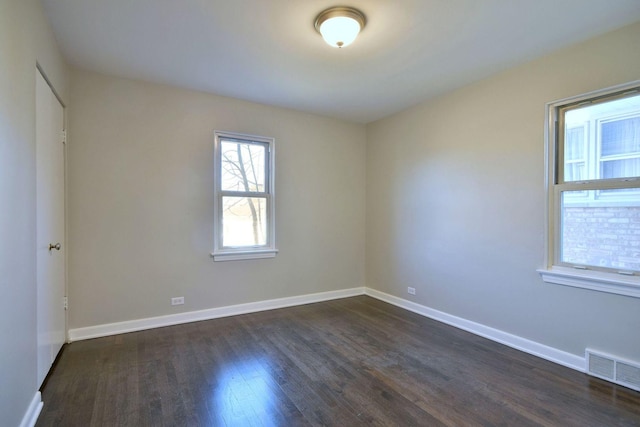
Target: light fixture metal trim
(340, 12)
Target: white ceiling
(267, 51)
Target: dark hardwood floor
(348, 362)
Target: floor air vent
(613, 369)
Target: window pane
(600, 236)
(243, 166)
(621, 137)
(244, 221)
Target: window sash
(577, 244)
(592, 158)
(220, 235)
(266, 166)
(630, 200)
(590, 151)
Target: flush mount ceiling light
(339, 26)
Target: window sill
(242, 255)
(594, 280)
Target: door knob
(57, 246)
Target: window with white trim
(244, 205)
(593, 146)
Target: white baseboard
(33, 411)
(545, 352)
(213, 313)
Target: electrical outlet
(177, 301)
(412, 291)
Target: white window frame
(581, 276)
(268, 250)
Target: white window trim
(268, 250)
(620, 283)
(592, 279)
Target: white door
(50, 249)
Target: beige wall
(141, 202)
(25, 38)
(455, 203)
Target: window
(244, 198)
(593, 187)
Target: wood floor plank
(355, 361)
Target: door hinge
(65, 302)
(63, 135)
